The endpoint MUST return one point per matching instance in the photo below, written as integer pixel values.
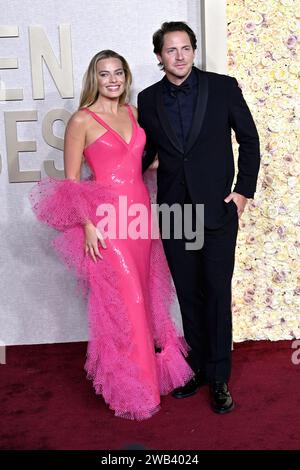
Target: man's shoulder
(217, 77)
(150, 90)
(213, 77)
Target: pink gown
(134, 352)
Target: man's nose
(179, 55)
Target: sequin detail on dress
(134, 353)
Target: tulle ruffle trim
(63, 204)
(66, 205)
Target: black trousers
(202, 280)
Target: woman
(134, 353)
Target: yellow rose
(295, 219)
(246, 47)
(292, 250)
(259, 49)
(269, 248)
(292, 181)
(281, 74)
(255, 17)
(266, 62)
(277, 54)
(261, 223)
(275, 333)
(233, 26)
(276, 91)
(266, 159)
(280, 221)
(265, 7)
(286, 103)
(296, 129)
(272, 206)
(273, 237)
(288, 88)
(254, 215)
(287, 3)
(275, 125)
(272, 143)
(293, 25)
(282, 11)
(288, 298)
(282, 254)
(254, 60)
(297, 11)
(294, 169)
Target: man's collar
(190, 82)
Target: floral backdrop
(263, 54)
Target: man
(188, 117)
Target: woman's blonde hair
(90, 92)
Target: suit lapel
(199, 110)
(164, 120)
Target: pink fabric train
(134, 353)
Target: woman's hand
(154, 164)
(92, 238)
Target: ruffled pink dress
(134, 353)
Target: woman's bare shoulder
(134, 110)
(80, 117)
(79, 120)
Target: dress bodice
(111, 159)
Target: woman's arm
(74, 145)
(75, 138)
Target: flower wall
(263, 54)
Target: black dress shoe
(221, 400)
(190, 388)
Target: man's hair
(170, 27)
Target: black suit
(201, 171)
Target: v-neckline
(109, 128)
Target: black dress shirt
(180, 102)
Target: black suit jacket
(205, 167)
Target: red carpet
(47, 403)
